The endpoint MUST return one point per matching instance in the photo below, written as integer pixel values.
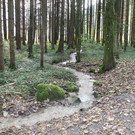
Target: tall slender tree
(17, 11)
(4, 20)
(118, 16)
(126, 25)
(98, 21)
(42, 34)
(108, 60)
(103, 21)
(1, 45)
(133, 27)
(30, 43)
(90, 28)
(53, 32)
(67, 21)
(23, 18)
(78, 31)
(121, 26)
(61, 44)
(11, 33)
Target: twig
(7, 85)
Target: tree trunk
(53, 32)
(72, 25)
(103, 22)
(108, 60)
(61, 44)
(87, 18)
(17, 10)
(121, 28)
(90, 19)
(118, 8)
(50, 22)
(78, 31)
(30, 46)
(133, 27)
(1, 44)
(126, 25)
(23, 18)
(4, 20)
(42, 34)
(67, 21)
(11, 33)
(98, 21)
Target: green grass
(93, 52)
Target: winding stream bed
(85, 94)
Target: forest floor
(113, 112)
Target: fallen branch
(7, 85)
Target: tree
(72, 25)
(61, 44)
(118, 16)
(30, 43)
(122, 15)
(17, 11)
(11, 33)
(90, 19)
(53, 32)
(78, 31)
(42, 34)
(133, 27)
(67, 21)
(98, 21)
(23, 18)
(1, 45)
(4, 20)
(126, 25)
(108, 60)
(87, 18)
(103, 21)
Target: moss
(49, 91)
(95, 94)
(76, 100)
(98, 83)
(124, 71)
(70, 87)
(92, 70)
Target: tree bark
(17, 10)
(1, 44)
(4, 20)
(98, 21)
(108, 60)
(61, 44)
(133, 27)
(23, 18)
(11, 33)
(90, 19)
(78, 31)
(30, 44)
(126, 25)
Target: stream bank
(85, 84)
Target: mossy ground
(94, 52)
(71, 87)
(49, 91)
(98, 83)
(28, 73)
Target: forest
(67, 67)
